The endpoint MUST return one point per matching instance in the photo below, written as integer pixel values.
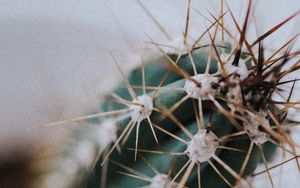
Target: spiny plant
(201, 114)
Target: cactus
(202, 117)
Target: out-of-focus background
(54, 62)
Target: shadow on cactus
(202, 117)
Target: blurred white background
(53, 53)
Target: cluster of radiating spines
(158, 180)
(233, 72)
(253, 72)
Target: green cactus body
(202, 116)
(215, 122)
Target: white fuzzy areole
(105, 133)
(258, 137)
(161, 181)
(140, 112)
(252, 123)
(202, 146)
(85, 153)
(234, 95)
(241, 69)
(205, 89)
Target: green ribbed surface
(220, 125)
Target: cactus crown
(203, 116)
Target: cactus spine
(202, 117)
